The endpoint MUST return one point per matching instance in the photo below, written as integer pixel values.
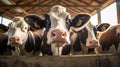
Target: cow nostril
(90, 42)
(10, 39)
(17, 39)
(53, 34)
(96, 42)
(14, 39)
(64, 34)
(93, 42)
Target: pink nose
(58, 34)
(94, 43)
(14, 40)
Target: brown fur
(109, 38)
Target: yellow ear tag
(103, 28)
(36, 25)
(1, 31)
(79, 23)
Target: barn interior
(12, 8)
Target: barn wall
(63, 61)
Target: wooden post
(118, 10)
(99, 15)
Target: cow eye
(47, 25)
(68, 24)
(25, 27)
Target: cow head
(18, 31)
(92, 36)
(59, 25)
(92, 40)
(102, 28)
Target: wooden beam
(72, 13)
(19, 8)
(40, 5)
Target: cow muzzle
(14, 40)
(94, 43)
(58, 36)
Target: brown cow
(109, 39)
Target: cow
(59, 29)
(25, 39)
(109, 39)
(86, 40)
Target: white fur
(17, 29)
(58, 20)
(56, 50)
(58, 16)
(91, 35)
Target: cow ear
(34, 21)
(3, 28)
(103, 27)
(80, 21)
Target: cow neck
(30, 42)
(39, 32)
(19, 50)
(38, 37)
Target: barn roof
(11, 8)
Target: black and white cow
(86, 39)
(59, 29)
(20, 36)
